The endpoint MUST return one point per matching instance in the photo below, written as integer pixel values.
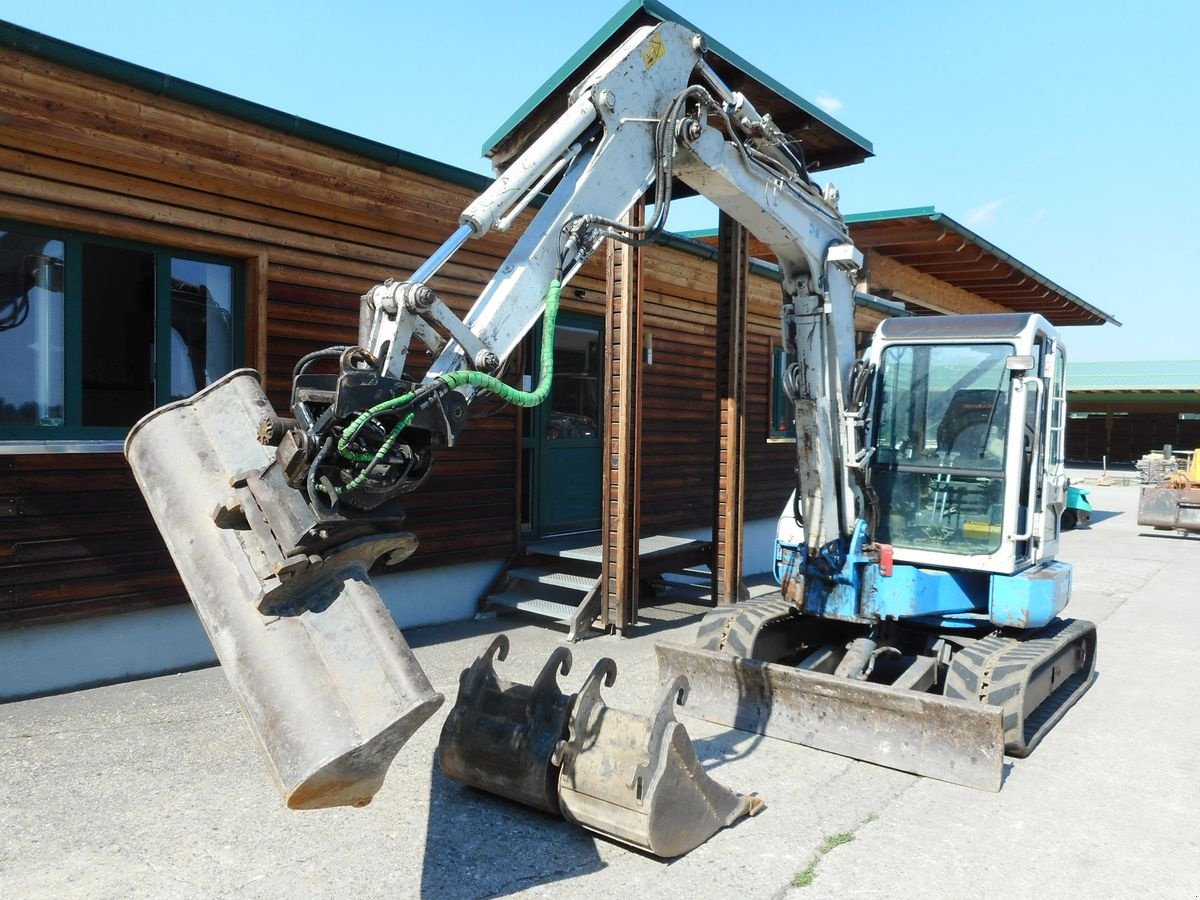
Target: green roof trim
(663, 13)
(23, 40)
(1153, 375)
(930, 213)
(911, 212)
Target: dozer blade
(326, 680)
(951, 740)
(500, 736)
(638, 780)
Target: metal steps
(559, 578)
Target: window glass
(938, 466)
(97, 332)
(118, 334)
(575, 392)
(783, 412)
(201, 324)
(32, 330)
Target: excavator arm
(654, 111)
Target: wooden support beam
(733, 276)
(884, 273)
(622, 434)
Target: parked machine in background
(918, 625)
(1170, 501)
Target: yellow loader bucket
(326, 680)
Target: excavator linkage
(325, 678)
(631, 778)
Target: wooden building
(155, 234)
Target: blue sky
(1064, 132)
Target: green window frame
(163, 338)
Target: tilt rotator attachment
(329, 685)
(625, 776)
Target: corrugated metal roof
(1150, 376)
(826, 142)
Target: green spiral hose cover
(452, 380)
(507, 393)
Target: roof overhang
(826, 143)
(935, 245)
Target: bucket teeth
(500, 735)
(638, 779)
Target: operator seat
(964, 427)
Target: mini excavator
(918, 621)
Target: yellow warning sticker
(654, 50)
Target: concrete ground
(156, 788)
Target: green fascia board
(882, 215)
(23, 40)
(1189, 401)
(930, 213)
(664, 14)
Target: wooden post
(622, 434)
(733, 273)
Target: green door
(564, 436)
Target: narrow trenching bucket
(637, 779)
(326, 680)
(500, 735)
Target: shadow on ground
(480, 845)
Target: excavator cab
(967, 440)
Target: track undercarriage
(943, 704)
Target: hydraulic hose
(449, 381)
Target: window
(782, 426)
(940, 439)
(95, 333)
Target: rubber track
(997, 669)
(735, 629)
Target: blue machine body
(859, 590)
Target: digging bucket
(637, 779)
(326, 680)
(500, 735)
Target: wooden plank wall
(315, 227)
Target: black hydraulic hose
(309, 358)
